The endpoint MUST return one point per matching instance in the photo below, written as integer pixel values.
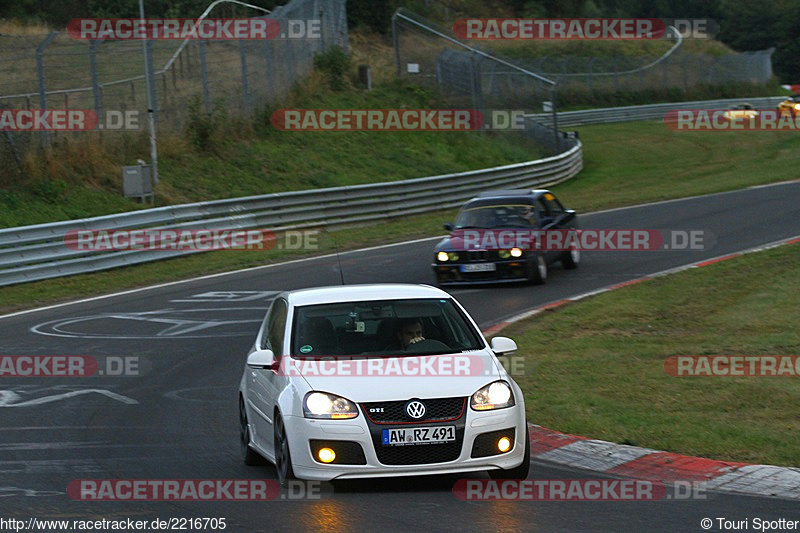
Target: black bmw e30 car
(500, 236)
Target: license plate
(425, 435)
(479, 267)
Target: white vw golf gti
(379, 380)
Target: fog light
(504, 444)
(326, 455)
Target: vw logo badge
(415, 409)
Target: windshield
(382, 328)
(497, 216)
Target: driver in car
(409, 332)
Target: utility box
(137, 182)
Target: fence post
(477, 92)
(267, 73)
(396, 42)
(555, 120)
(153, 89)
(40, 75)
(98, 98)
(245, 88)
(204, 69)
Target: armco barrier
(648, 112)
(31, 253)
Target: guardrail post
(40, 75)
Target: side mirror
(449, 227)
(261, 359)
(503, 346)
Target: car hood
(400, 378)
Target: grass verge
(598, 365)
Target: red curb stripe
(494, 329)
(628, 283)
(717, 260)
(543, 439)
(673, 467)
(793, 241)
(552, 305)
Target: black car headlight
(328, 406)
(444, 257)
(495, 395)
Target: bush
(334, 64)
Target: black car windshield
(382, 328)
(497, 216)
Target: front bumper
(512, 270)
(359, 430)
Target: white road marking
(9, 398)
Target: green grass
(596, 367)
(233, 162)
(637, 162)
(625, 164)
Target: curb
(645, 463)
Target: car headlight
(516, 252)
(442, 256)
(504, 254)
(797, 107)
(495, 395)
(328, 406)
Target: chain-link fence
(682, 70)
(57, 72)
(468, 77)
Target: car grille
(477, 255)
(436, 410)
(421, 454)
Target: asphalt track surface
(179, 420)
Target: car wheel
(571, 258)
(283, 459)
(249, 455)
(520, 472)
(539, 274)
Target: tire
(571, 259)
(249, 455)
(539, 274)
(520, 472)
(283, 459)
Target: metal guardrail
(31, 253)
(648, 112)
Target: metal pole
(245, 87)
(98, 100)
(150, 111)
(40, 75)
(555, 120)
(204, 68)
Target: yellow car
(743, 111)
(790, 106)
